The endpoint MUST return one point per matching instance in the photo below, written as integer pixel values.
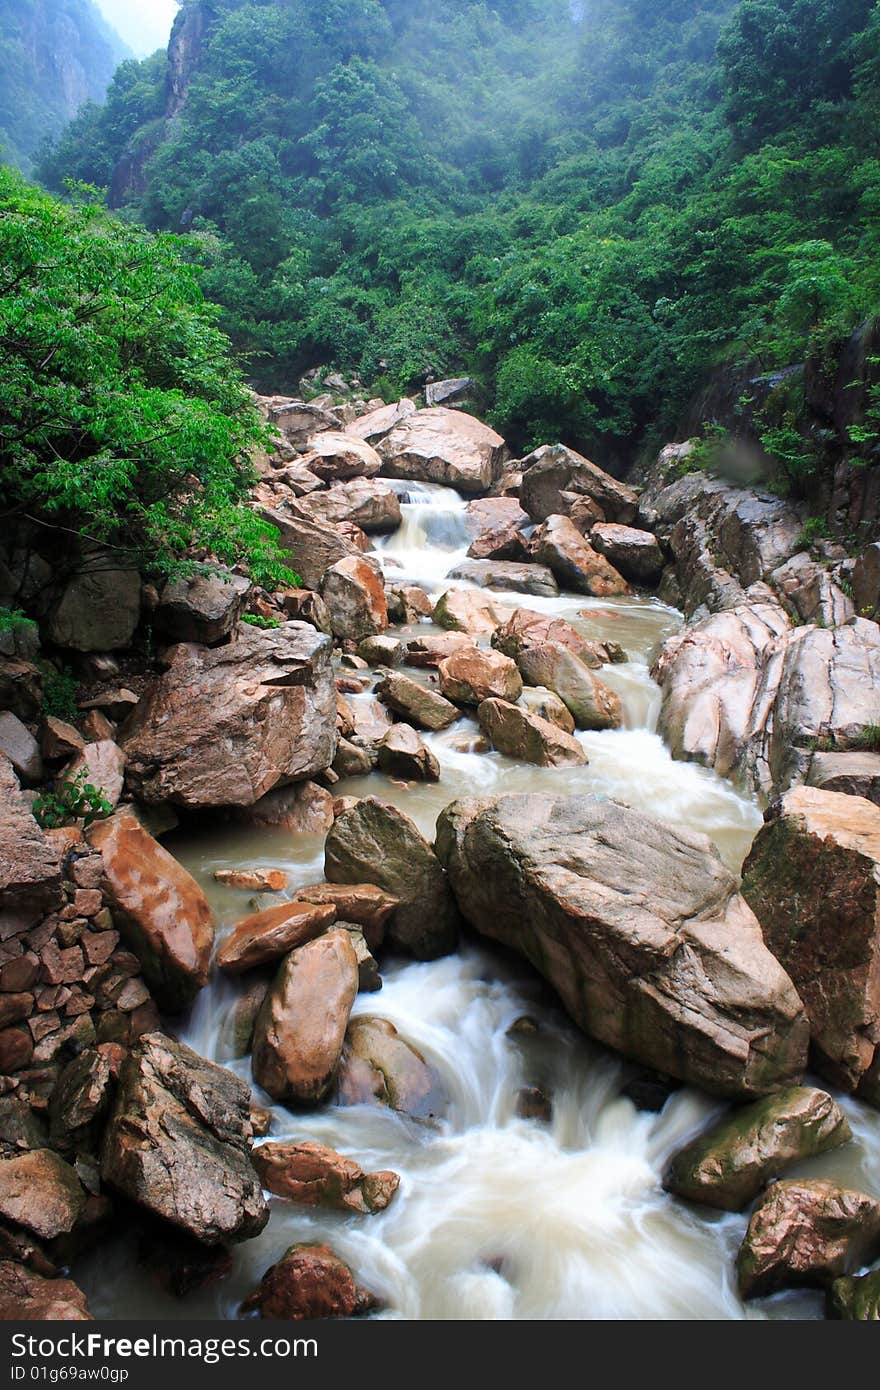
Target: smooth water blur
(496, 1216)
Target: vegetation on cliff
(584, 205)
(123, 416)
(54, 56)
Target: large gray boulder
(555, 476)
(99, 607)
(202, 607)
(376, 843)
(177, 1143)
(444, 446)
(639, 928)
(222, 726)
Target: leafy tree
(123, 418)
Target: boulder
(80, 1099)
(352, 761)
(560, 545)
(18, 744)
(813, 881)
(810, 594)
(203, 607)
(473, 675)
(41, 1192)
(177, 1143)
(375, 424)
(103, 765)
(29, 1297)
(525, 629)
(591, 703)
(640, 929)
(407, 603)
(301, 1027)
(366, 502)
(746, 694)
(99, 607)
(527, 737)
(554, 470)
(496, 524)
(30, 870)
(806, 1233)
(376, 843)
(21, 688)
(403, 754)
(636, 554)
(59, 740)
(454, 389)
(443, 446)
(427, 652)
(381, 651)
(252, 880)
(304, 606)
(224, 725)
(335, 456)
(547, 706)
(728, 1164)
(423, 707)
(362, 904)
(856, 1299)
(507, 576)
(309, 1282)
(304, 808)
(299, 421)
(380, 1068)
(354, 593)
(853, 774)
(315, 1176)
(158, 907)
(266, 936)
(465, 610)
(310, 548)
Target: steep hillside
(55, 55)
(585, 205)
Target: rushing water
(497, 1216)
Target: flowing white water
(496, 1216)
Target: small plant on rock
(73, 800)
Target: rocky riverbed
(407, 967)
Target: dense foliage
(584, 204)
(122, 414)
(54, 56)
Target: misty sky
(143, 24)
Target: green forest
(582, 205)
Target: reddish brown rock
(30, 870)
(444, 446)
(593, 705)
(496, 523)
(41, 1192)
(255, 880)
(304, 808)
(267, 936)
(301, 1027)
(407, 603)
(467, 610)
(354, 592)
(159, 908)
(559, 545)
(472, 675)
(29, 1297)
(813, 881)
(807, 1233)
(102, 765)
(309, 1281)
(380, 1068)
(373, 840)
(337, 457)
(427, 652)
(520, 734)
(224, 725)
(367, 503)
(315, 1176)
(526, 629)
(555, 476)
(403, 754)
(362, 904)
(60, 740)
(177, 1143)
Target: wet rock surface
(316, 1176)
(807, 1233)
(638, 927)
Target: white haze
(143, 24)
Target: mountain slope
(55, 55)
